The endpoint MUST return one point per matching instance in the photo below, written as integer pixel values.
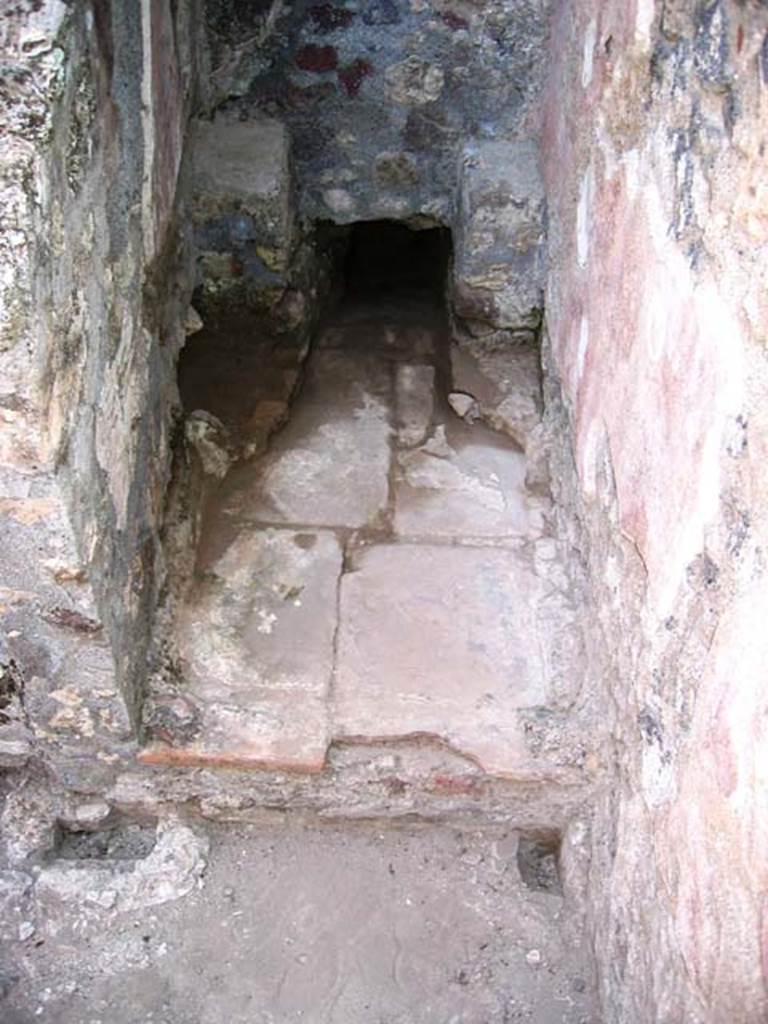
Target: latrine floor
(384, 570)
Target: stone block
(499, 269)
(242, 207)
(462, 483)
(441, 641)
(329, 465)
(415, 387)
(256, 642)
(504, 382)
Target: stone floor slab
(329, 465)
(440, 641)
(470, 485)
(256, 643)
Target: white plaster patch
(658, 776)
(646, 9)
(589, 457)
(590, 38)
(631, 162)
(583, 214)
(581, 351)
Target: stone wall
(657, 313)
(381, 96)
(96, 282)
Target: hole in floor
(119, 842)
(538, 863)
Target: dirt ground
(291, 920)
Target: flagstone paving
(379, 572)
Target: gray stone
(28, 825)
(437, 444)
(464, 405)
(414, 81)
(90, 815)
(329, 465)
(259, 694)
(244, 166)
(499, 266)
(398, 170)
(415, 387)
(14, 885)
(242, 209)
(15, 746)
(208, 437)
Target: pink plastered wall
(657, 315)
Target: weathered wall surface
(95, 285)
(381, 96)
(657, 312)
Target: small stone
(88, 815)
(396, 170)
(172, 718)
(14, 753)
(437, 445)
(464, 406)
(192, 322)
(105, 898)
(533, 957)
(26, 931)
(414, 82)
(208, 436)
(338, 200)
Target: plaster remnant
(581, 352)
(590, 39)
(583, 215)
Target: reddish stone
(454, 21)
(453, 784)
(351, 76)
(293, 97)
(395, 786)
(327, 18)
(317, 58)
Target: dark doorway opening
(385, 259)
